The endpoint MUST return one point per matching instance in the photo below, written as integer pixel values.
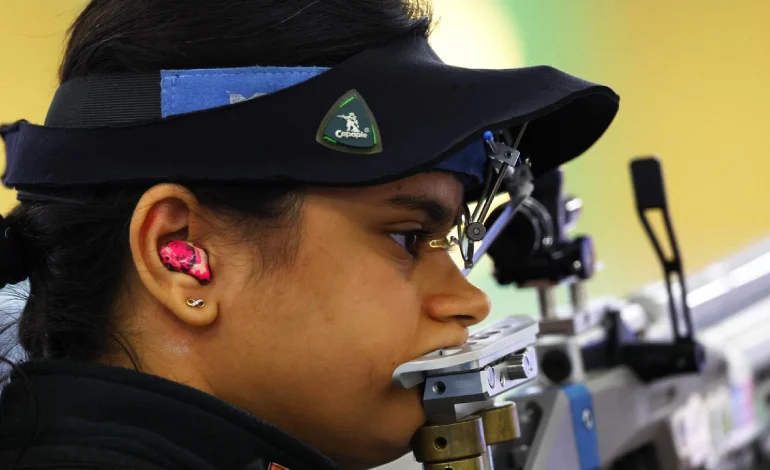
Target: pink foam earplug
(189, 258)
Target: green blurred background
(693, 78)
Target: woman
(226, 266)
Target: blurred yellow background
(693, 79)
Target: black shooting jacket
(65, 415)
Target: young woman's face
(312, 346)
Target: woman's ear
(172, 266)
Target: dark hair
(75, 245)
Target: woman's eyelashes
(410, 240)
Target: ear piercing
(199, 303)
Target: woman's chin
(394, 432)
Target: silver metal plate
(443, 393)
(511, 334)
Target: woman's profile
(230, 283)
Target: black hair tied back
(72, 243)
(12, 269)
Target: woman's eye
(409, 241)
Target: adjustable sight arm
(504, 166)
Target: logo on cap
(349, 126)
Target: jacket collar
(78, 401)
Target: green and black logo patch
(350, 126)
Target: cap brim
(425, 110)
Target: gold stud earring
(196, 303)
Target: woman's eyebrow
(434, 209)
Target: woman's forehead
(439, 185)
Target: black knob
(475, 231)
(556, 365)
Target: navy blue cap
(386, 113)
